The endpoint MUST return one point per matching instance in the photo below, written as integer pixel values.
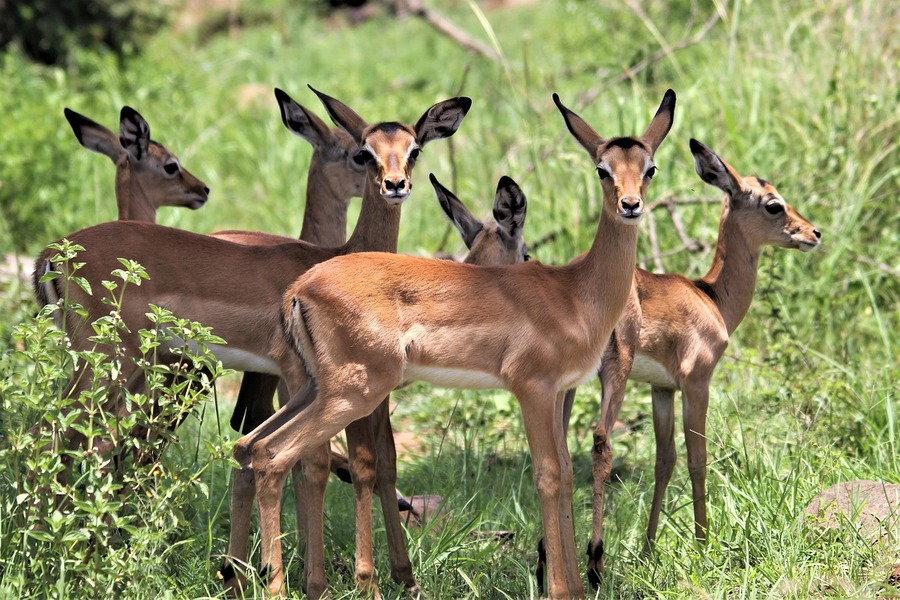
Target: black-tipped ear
(442, 120)
(134, 133)
(94, 136)
(662, 122)
(715, 171)
(510, 206)
(468, 226)
(301, 121)
(589, 139)
(342, 115)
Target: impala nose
(395, 186)
(631, 207)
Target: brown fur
(553, 325)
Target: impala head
(498, 242)
(762, 212)
(389, 150)
(140, 161)
(333, 149)
(624, 164)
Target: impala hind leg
(617, 361)
(664, 433)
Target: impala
(674, 330)
(147, 174)
(237, 289)
(363, 324)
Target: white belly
(452, 378)
(647, 370)
(234, 358)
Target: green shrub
(78, 522)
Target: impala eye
(774, 208)
(414, 154)
(363, 157)
(651, 172)
(603, 173)
(171, 168)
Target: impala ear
(301, 121)
(134, 133)
(442, 120)
(589, 139)
(509, 207)
(662, 122)
(94, 136)
(468, 226)
(343, 116)
(715, 171)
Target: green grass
(803, 94)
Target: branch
(880, 266)
(450, 30)
(589, 96)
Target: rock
(871, 507)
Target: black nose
(818, 234)
(206, 190)
(394, 187)
(632, 206)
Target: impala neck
(378, 226)
(133, 201)
(607, 270)
(732, 276)
(325, 214)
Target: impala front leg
(566, 522)
(361, 443)
(541, 429)
(386, 474)
(695, 401)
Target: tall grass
(803, 94)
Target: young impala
(147, 174)
(364, 324)
(237, 289)
(674, 330)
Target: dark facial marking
(626, 143)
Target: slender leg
(566, 521)
(664, 432)
(361, 442)
(614, 369)
(386, 487)
(273, 448)
(695, 401)
(542, 428)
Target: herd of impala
(334, 324)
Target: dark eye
(414, 154)
(603, 173)
(363, 157)
(650, 172)
(171, 168)
(774, 208)
(527, 257)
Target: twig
(654, 242)
(450, 30)
(880, 266)
(589, 96)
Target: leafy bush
(82, 522)
(47, 29)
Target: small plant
(96, 519)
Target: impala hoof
(595, 563)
